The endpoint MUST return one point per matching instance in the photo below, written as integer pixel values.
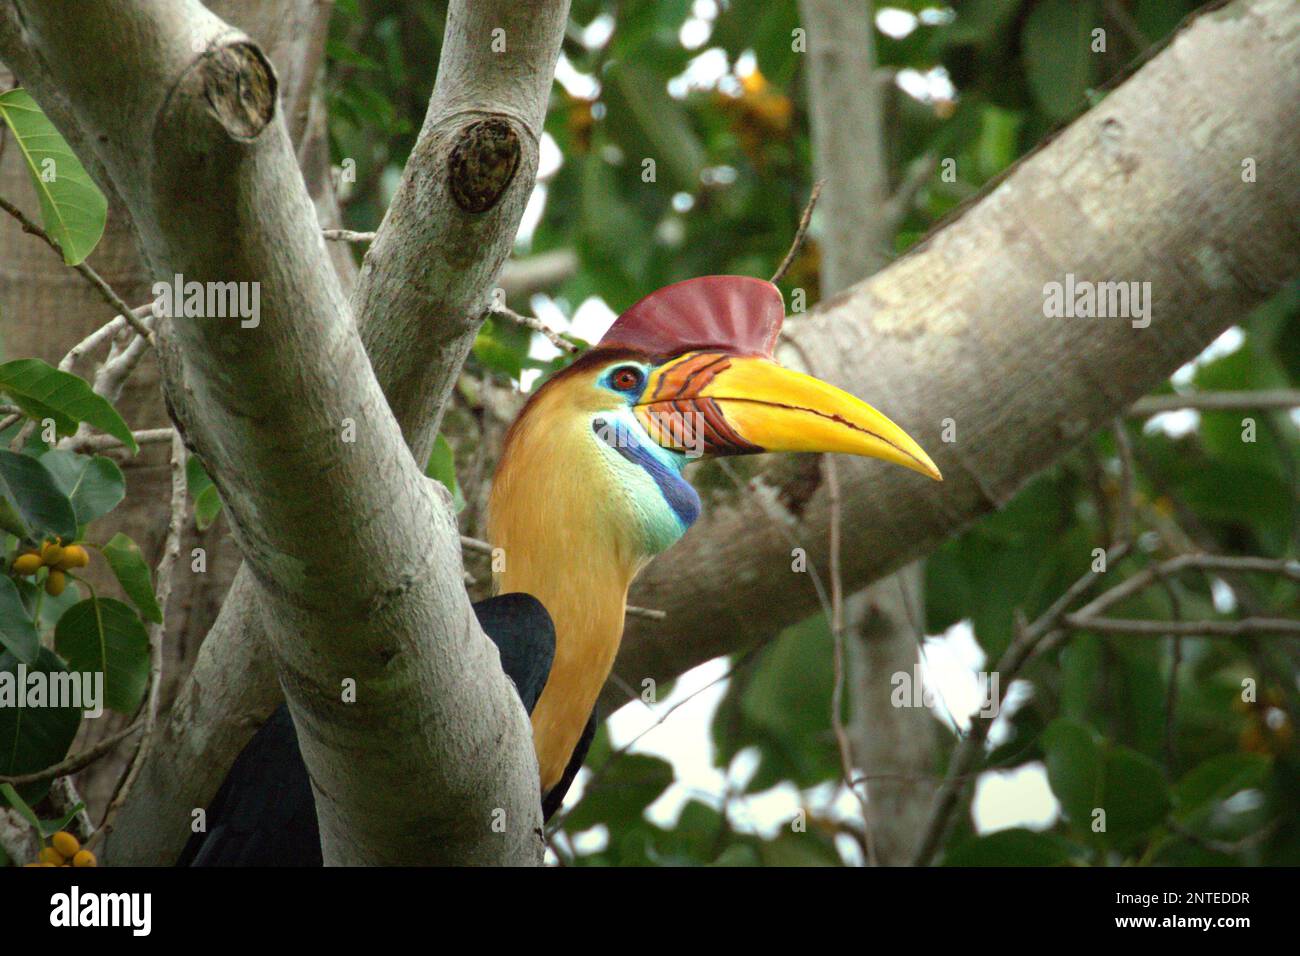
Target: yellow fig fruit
(55, 583)
(74, 556)
(51, 856)
(27, 564)
(51, 553)
(84, 858)
(65, 843)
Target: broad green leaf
(95, 486)
(1074, 763)
(1135, 795)
(31, 504)
(1218, 779)
(1087, 776)
(17, 632)
(33, 738)
(100, 634)
(132, 573)
(621, 793)
(442, 466)
(1014, 847)
(41, 391)
(73, 209)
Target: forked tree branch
(953, 342)
(359, 581)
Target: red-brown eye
(626, 379)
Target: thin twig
(347, 235)
(967, 752)
(837, 636)
(1216, 402)
(76, 762)
(1050, 628)
(801, 234)
(918, 173)
(1142, 628)
(122, 361)
(101, 335)
(163, 578)
(1171, 691)
(88, 273)
(557, 823)
(1204, 562)
(96, 443)
(537, 325)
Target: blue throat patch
(677, 491)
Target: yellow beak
(712, 403)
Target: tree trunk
(895, 745)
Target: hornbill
(588, 489)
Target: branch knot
(482, 164)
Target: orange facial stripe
(677, 416)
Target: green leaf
(206, 508)
(1014, 847)
(1059, 62)
(132, 573)
(621, 793)
(43, 391)
(19, 804)
(442, 466)
(1136, 797)
(1087, 776)
(95, 486)
(31, 504)
(50, 827)
(33, 738)
(100, 634)
(1217, 779)
(72, 207)
(17, 632)
(1074, 762)
(207, 501)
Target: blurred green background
(716, 94)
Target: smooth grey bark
(360, 580)
(45, 309)
(1146, 186)
(893, 747)
(429, 272)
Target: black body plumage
(265, 814)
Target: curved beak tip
(747, 404)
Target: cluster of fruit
(58, 558)
(64, 850)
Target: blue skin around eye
(681, 497)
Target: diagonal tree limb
(424, 255)
(359, 580)
(1148, 186)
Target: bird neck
(576, 521)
